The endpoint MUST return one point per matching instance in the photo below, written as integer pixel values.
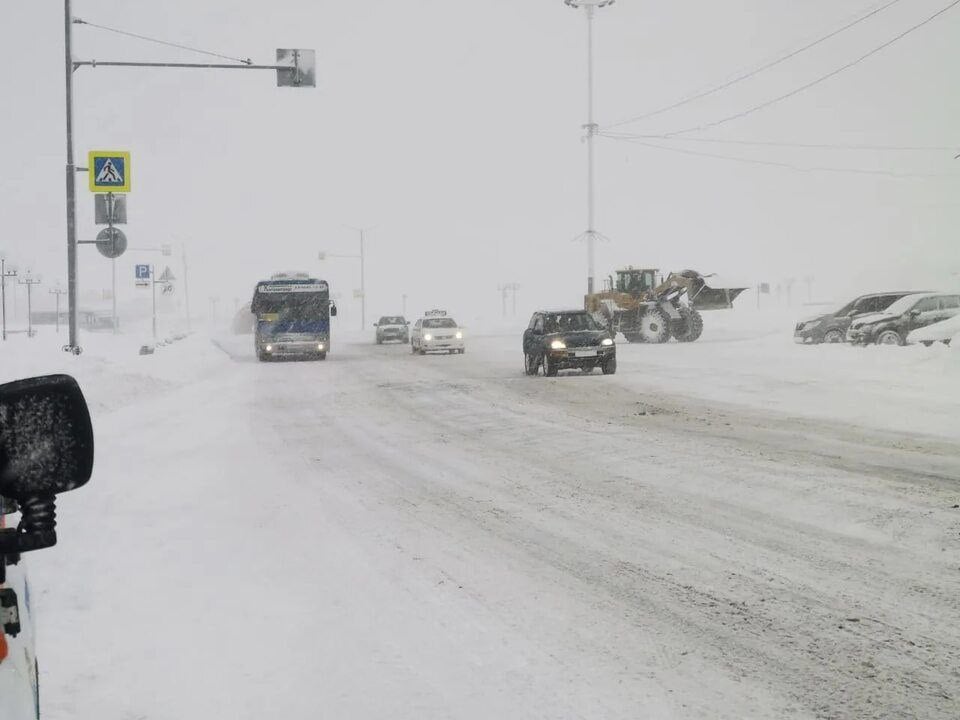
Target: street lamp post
(363, 289)
(591, 234)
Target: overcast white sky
(454, 127)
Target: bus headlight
(319, 346)
(269, 348)
(428, 337)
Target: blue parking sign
(142, 272)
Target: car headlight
(459, 335)
(812, 324)
(269, 348)
(558, 345)
(428, 337)
(607, 342)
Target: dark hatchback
(567, 340)
(832, 327)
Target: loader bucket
(708, 298)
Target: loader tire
(654, 326)
(690, 325)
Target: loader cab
(636, 282)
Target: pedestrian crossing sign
(109, 171)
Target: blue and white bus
(293, 312)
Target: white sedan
(436, 333)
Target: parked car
(943, 331)
(392, 328)
(437, 332)
(892, 326)
(567, 339)
(832, 327)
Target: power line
(245, 61)
(773, 143)
(822, 78)
(788, 166)
(752, 73)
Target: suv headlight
(558, 345)
(607, 342)
(459, 334)
(428, 337)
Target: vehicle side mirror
(333, 311)
(406, 322)
(914, 313)
(46, 448)
(376, 324)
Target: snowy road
(386, 535)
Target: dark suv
(567, 339)
(892, 326)
(392, 327)
(832, 327)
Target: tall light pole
(591, 234)
(363, 289)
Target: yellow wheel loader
(647, 307)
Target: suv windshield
(569, 322)
(391, 320)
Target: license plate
(585, 353)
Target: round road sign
(111, 242)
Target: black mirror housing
(46, 438)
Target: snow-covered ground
(736, 528)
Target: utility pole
(294, 68)
(404, 306)
(58, 291)
(590, 235)
(29, 282)
(4, 274)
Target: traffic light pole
(301, 73)
(72, 343)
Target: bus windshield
(292, 306)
